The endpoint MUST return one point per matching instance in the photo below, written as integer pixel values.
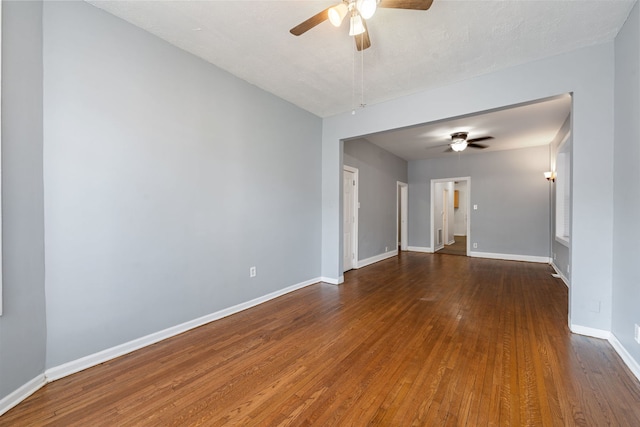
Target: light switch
(475, 207)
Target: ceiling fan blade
(482, 138)
(362, 40)
(406, 4)
(474, 145)
(305, 26)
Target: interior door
(402, 216)
(348, 219)
(445, 216)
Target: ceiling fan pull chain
(362, 104)
(353, 83)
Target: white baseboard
(22, 393)
(74, 366)
(631, 363)
(377, 258)
(590, 332)
(420, 249)
(451, 242)
(510, 257)
(628, 360)
(332, 281)
(559, 273)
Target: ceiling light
(356, 26)
(366, 8)
(337, 14)
(459, 145)
(458, 141)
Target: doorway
(450, 220)
(350, 218)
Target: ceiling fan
(359, 11)
(459, 142)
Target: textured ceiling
(411, 50)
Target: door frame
(467, 179)
(356, 207)
(402, 201)
(445, 217)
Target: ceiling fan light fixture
(459, 145)
(458, 137)
(356, 27)
(337, 14)
(366, 8)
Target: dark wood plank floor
(415, 340)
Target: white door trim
(467, 179)
(445, 216)
(356, 208)
(402, 198)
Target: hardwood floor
(416, 340)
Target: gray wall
(588, 73)
(166, 179)
(626, 229)
(509, 189)
(378, 174)
(129, 200)
(22, 326)
(561, 254)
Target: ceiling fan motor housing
(459, 136)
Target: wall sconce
(551, 176)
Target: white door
(402, 215)
(348, 218)
(445, 216)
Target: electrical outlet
(568, 268)
(475, 207)
(386, 248)
(636, 336)
(554, 256)
(475, 245)
(253, 272)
